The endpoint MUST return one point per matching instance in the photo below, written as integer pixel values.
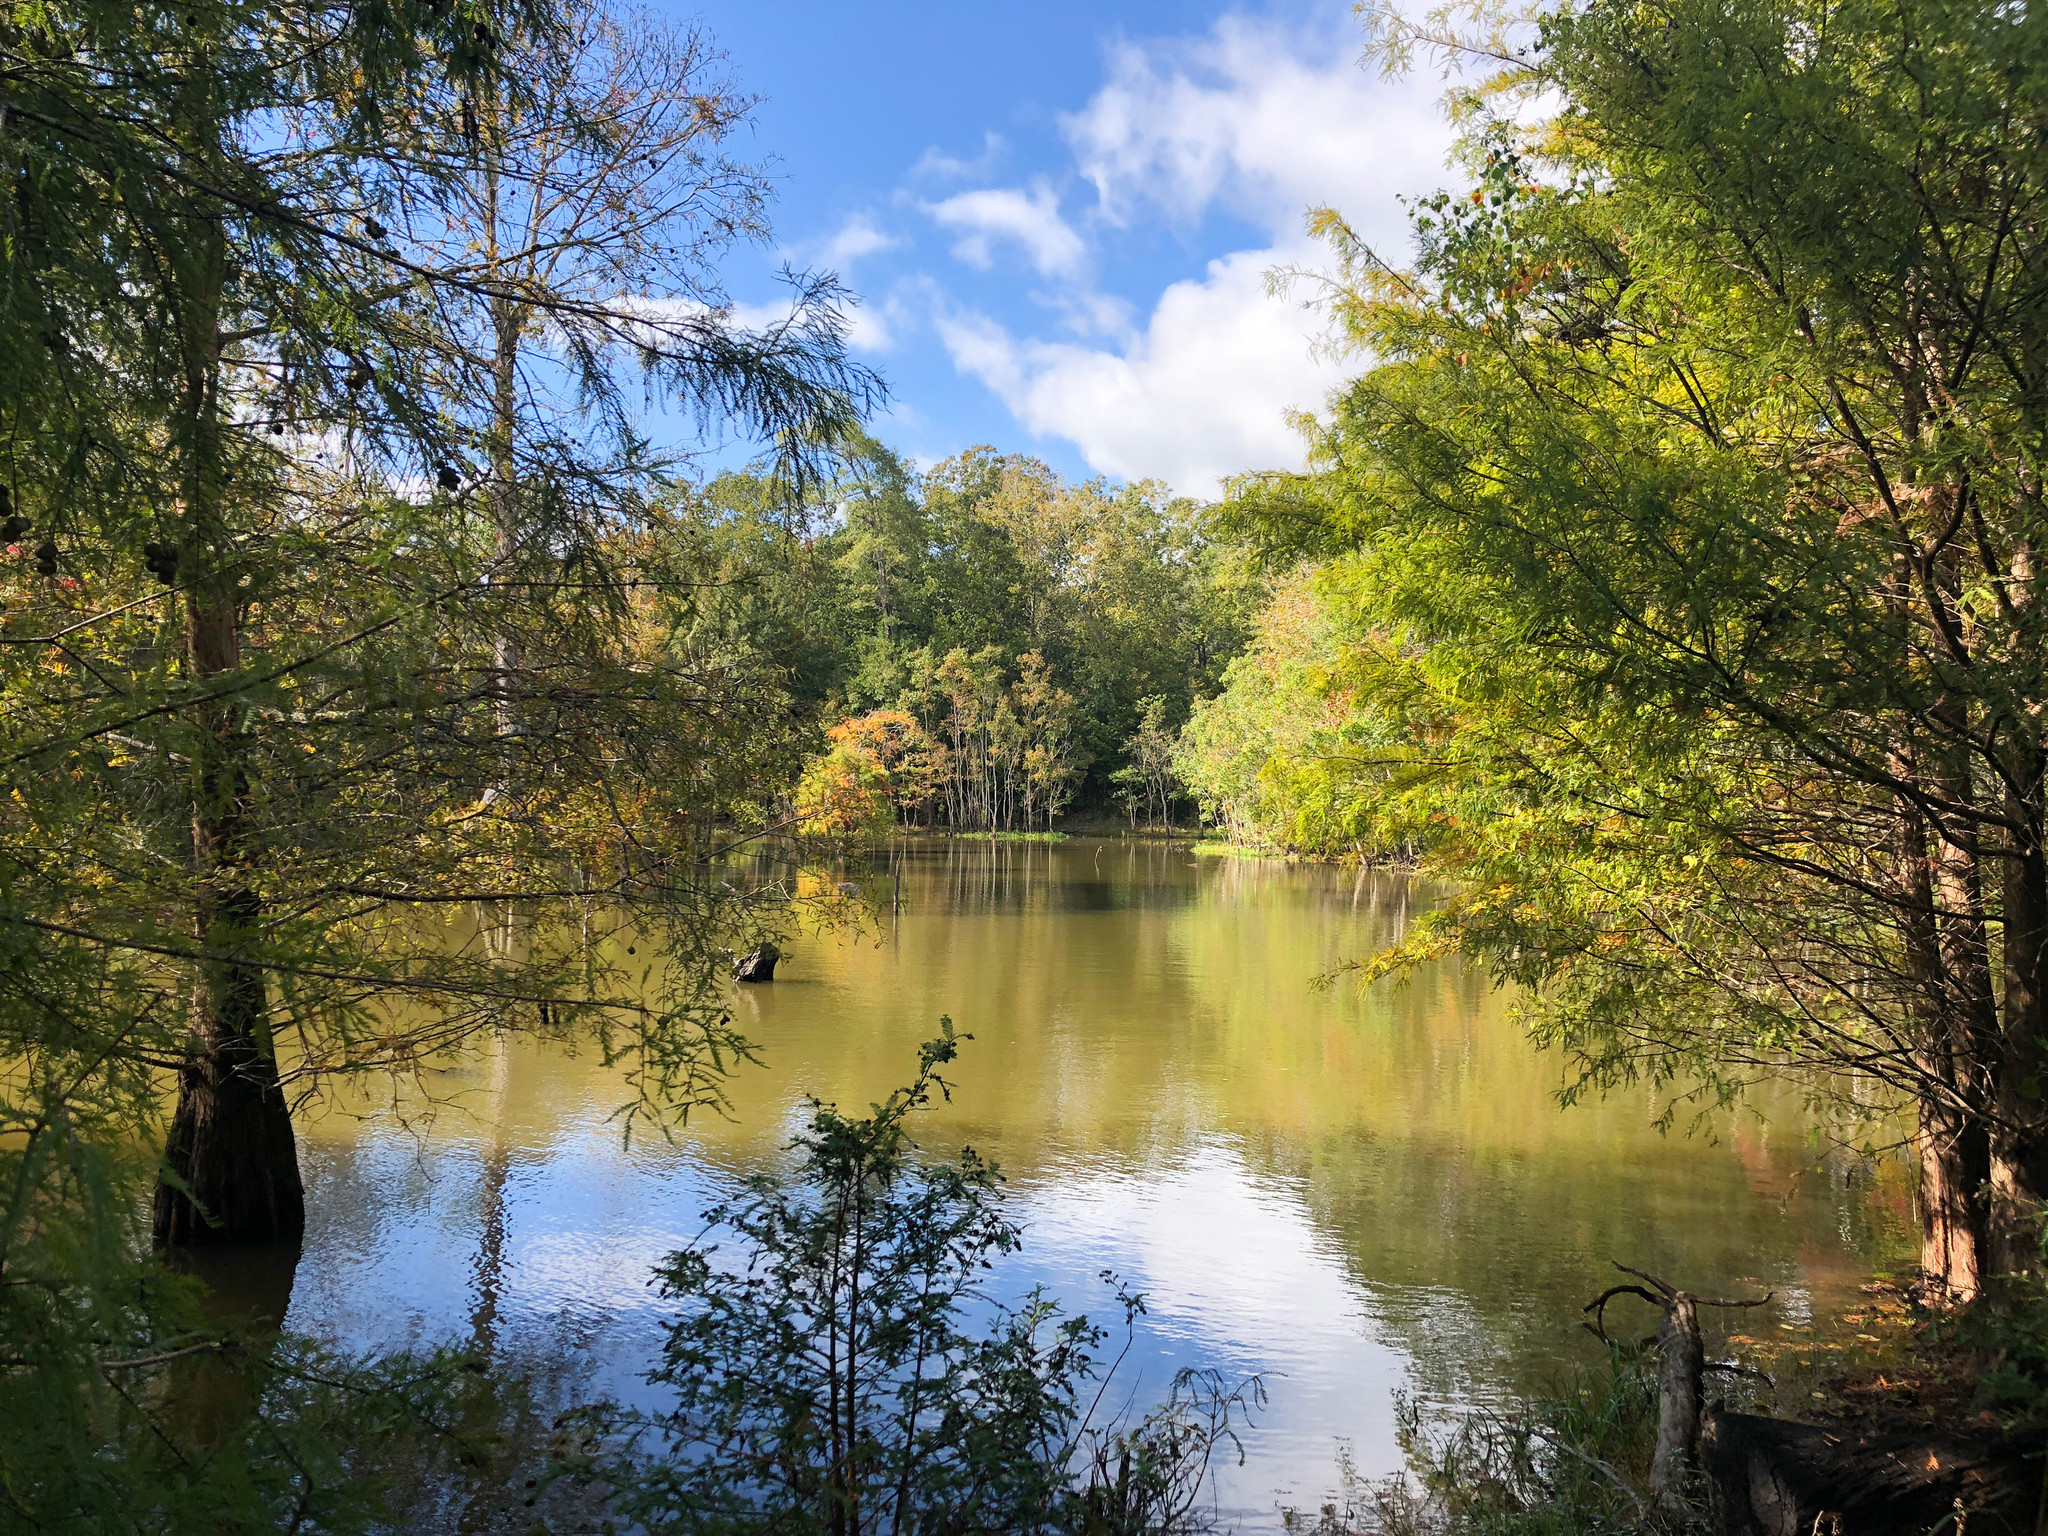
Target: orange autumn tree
(876, 768)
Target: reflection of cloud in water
(394, 1253)
(1348, 1192)
(1221, 1255)
(1235, 1275)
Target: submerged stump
(757, 965)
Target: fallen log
(1773, 1477)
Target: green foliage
(2005, 1334)
(1569, 1460)
(326, 748)
(1683, 538)
(1284, 757)
(833, 1376)
(1573, 1458)
(1147, 783)
(891, 590)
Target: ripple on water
(1350, 1195)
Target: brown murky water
(1352, 1194)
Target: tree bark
(1953, 1143)
(1681, 1373)
(231, 1144)
(1954, 1167)
(757, 965)
(508, 324)
(1682, 1363)
(2019, 1136)
(231, 1171)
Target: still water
(1351, 1194)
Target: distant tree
(864, 593)
(876, 770)
(1044, 769)
(1283, 755)
(1149, 770)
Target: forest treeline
(989, 643)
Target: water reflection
(1351, 1193)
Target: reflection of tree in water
(488, 1271)
(1475, 1214)
(248, 1294)
(487, 1281)
(968, 874)
(504, 940)
(1474, 1262)
(1472, 1212)
(1138, 1009)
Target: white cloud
(1229, 136)
(1201, 394)
(1260, 121)
(873, 326)
(859, 236)
(1251, 120)
(1030, 218)
(746, 317)
(935, 163)
(1087, 312)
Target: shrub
(829, 1379)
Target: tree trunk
(1954, 1166)
(231, 1171)
(508, 323)
(230, 1147)
(231, 1144)
(1953, 1143)
(1675, 1466)
(2019, 1139)
(1683, 1360)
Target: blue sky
(1059, 216)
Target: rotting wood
(1679, 1378)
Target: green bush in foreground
(834, 1377)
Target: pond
(1353, 1194)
